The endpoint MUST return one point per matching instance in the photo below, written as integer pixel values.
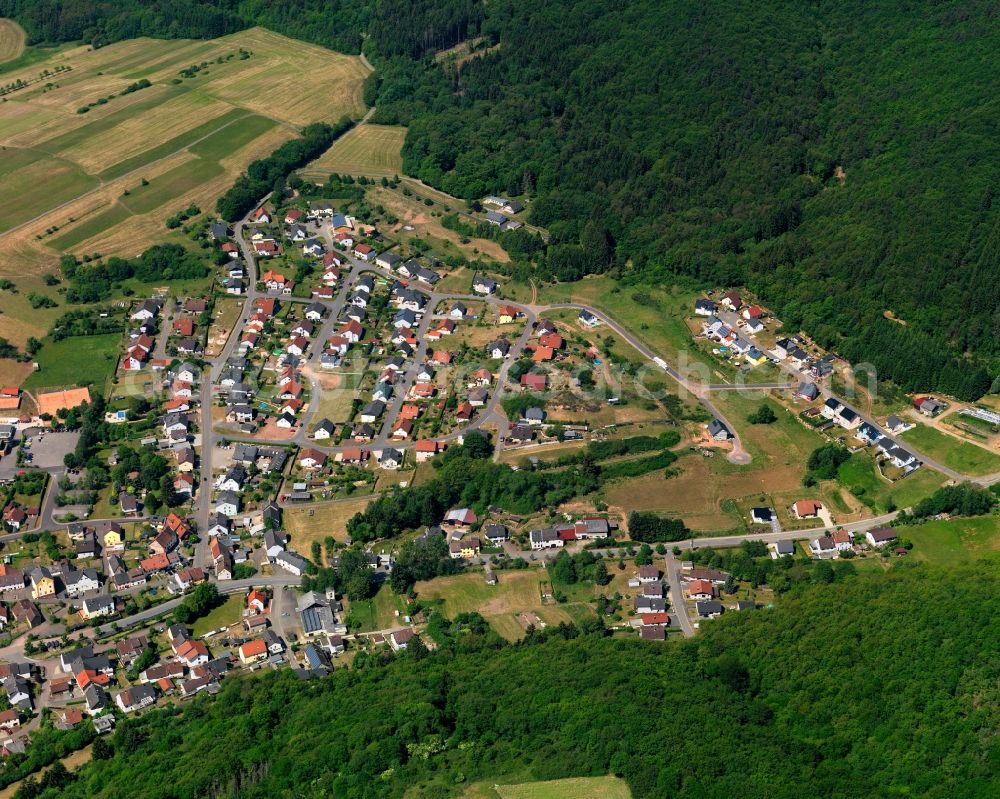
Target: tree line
(267, 175)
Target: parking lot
(47, 449)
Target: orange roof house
(543, 354)
(253, 650)
(257, 601)
(807, 507)
(409, 411)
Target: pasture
(105, 181)
(369, 150)
(12, 40)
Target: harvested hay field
(309, 523)
(95, 168)
(370, 150)
(12, 40)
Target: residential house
(483, 285)
(79, 582)
(806, 509)
(95, 607)
(324, 430)
(291, 562)
(781, 549)
(372, 411)
(649, 574)
(496, 534)
(274, 543)
(709, 609)
(546, 538)
(42, 582)
(400, 639)
(701, 589)
(253, 651)
(718, 431)
(533, 381)
(135, 698)
(426, 449)
(390, 458)
(894, 424)
(880, 536)
(823, 546)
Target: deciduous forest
(895, 691)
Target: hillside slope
(839, 158)
(876, 686)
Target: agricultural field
(369, 150)
(12, 40)
(570, 788)
(962, 456)
(104, 181)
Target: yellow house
(470, 547)
(756, 357)
(113, 540)
(42, 584)
(506, 314)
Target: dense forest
(890, 695)
(838, 158)
(817, 153)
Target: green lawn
(959, 455)
(80, 360)
(859, 476)
(954, 541)
(229, 612)
(379, 612)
